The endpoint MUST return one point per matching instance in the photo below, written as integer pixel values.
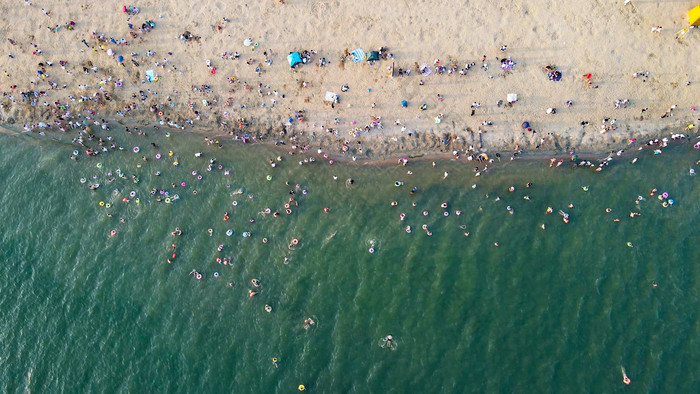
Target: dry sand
(609, 39)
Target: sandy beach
(617, 72)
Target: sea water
(488, 302)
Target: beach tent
(373, 56)
(694, 16)
(358, 55)
(293, 58)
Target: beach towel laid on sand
(358, 55)
(332, 97)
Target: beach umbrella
(247, 42)
(110, 52)
(120, 59)
(404, 103)
(526, 125)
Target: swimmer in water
(308, 322)
(388, 340)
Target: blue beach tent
(293, 58)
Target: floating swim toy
(132, 194)
(167, 200)
(371, 250)
(158, 156)
(264, 240)
(108, 205)
(670, 202)
(664, 195)
(301, 387)
(234, 203)
(269, 177)
(102, 203)
(137, 149)
(295, 241)
(171, 153)
(76, 152)
(99, 165)
(199, 177)
(83, 180)
(446, 213)
(113, 233)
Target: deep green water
(555, 310)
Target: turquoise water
(554, 310)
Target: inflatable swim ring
(137, 149)
(158, 156)
(83, 180)
(108, 205)
(167, 200)
(234, 203)
(99, 165)
(132, 194)
(113, 233)
(295, 241)
(102, 203)
(76, 152)
(229, 232)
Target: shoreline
(497, 157)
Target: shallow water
(555, 310)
